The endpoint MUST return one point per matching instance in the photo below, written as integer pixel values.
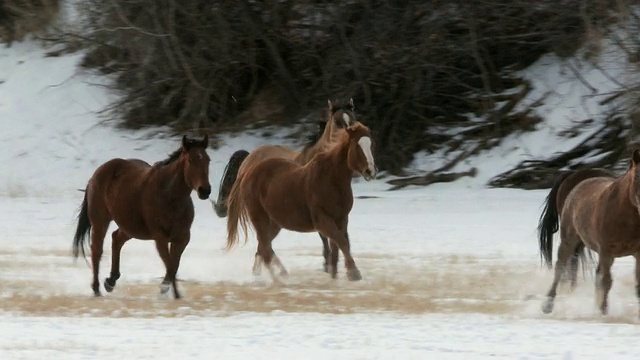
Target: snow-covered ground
(451, 271)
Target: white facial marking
(346, 118)
(365, 144)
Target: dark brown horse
(278, 193)
(146, 202)
(338, 116)
(600, 212)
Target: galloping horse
(146, 202)
(278, 193)
(339, 116)
(548, 223)
(602, 213)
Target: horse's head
(340, 117)
(361, 150)
(196, 169)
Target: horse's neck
(335, 162)
(620, 188)
(175, 181)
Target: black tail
(83, 229)
(549, 224)
(228, 178)
(580, 256)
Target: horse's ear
(330, 105)
(351, 104)
(205, 140)
(185, 143)
(635, 157)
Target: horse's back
(264, 152)
(598, 210)
(276, 187)
(114, 189)
(570, 180)
(272, 171)
(119, 169)
(587, 191)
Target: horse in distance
(548, 223)
(339, 116)
(147, 202)
(280, 194)
(600, 213)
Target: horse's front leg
(163, 250)
(604, 281)
(175, 254)
(337, 232)
(118, 239)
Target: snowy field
(451, 271)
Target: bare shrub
(418, 70)
(18, 18)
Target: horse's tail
(580, 256)
(228, 179)
(237, 214)
(548, 223)
(82, 230)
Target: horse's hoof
(354, 275)
(108, 286)
(547, 307)
(604, 311)
(164, 288)
(284, 273)
(326, 268)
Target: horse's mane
(172, 157)
(313, 138)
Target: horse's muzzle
(370, 174)
(204, 192)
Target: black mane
(313, 138)
(343, 107)
(172, 157)
(176, 154)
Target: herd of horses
(275, 187)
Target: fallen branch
(431, 178)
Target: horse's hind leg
(326, 252)
(98, 233)
(604, 281)
(637, 256)
(118, 239)
(257, 264)
(334, 252)
(565, 250)
(266, 232)
(574, 264)
(276, 261)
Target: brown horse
(549, 224)
(279, 193)
(602, 213)
(339, 116)
(146, 202)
